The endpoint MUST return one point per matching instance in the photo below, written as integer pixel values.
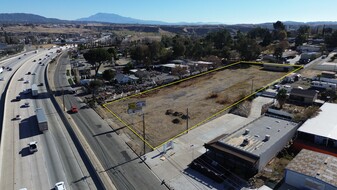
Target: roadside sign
(136, 107)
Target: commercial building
(320, 133)
(312, 170)
(249, 149)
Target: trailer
(35, 90)
(324, 85)
(42, 121)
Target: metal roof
(324, 124)
(264, 127)
(317, 165)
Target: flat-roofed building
(249, 149)
(312, 170)
(320, 133)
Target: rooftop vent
(245, 142)
(266, 138)
(246, 132)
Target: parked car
(60, 186)
(18, 98)
(41, 84)
(32, 147)
(27, 104)
(28, 73)
(21, 79)
(18, 117)
(74, 109)
(27, 81)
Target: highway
(125, 169)
(57, 158)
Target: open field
(45, 29)
(166, 108)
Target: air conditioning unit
(266, 138)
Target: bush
(212, 95)
(308, 113)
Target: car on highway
(74, 109)
(32, 147)
(60, 186)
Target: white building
(322, 129)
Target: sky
(221, 11)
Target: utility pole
(64, 106)
(144, 133)
(187, 120)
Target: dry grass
(226, 87)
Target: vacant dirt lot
(165, 111)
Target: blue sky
(223, 11)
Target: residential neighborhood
(108, 102)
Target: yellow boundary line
(208, 118)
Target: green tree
(220, 39)
(108, 75)
(331, 40)
(278, 51)
(113, 52)
(96, 57)
(248, 48)
(94, 85)
(178, 49)
(281, 97)
(279, 26)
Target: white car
(60, 186)
(32, 147)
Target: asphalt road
(56, 159)
(125, 169)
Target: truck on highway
(35, 90)
(41, 119)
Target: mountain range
(117, 19)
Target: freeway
(125, 169)
(56, 159)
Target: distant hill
(117, 19)
(26, 18)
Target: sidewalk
(173, 166)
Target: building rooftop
(324, 124)
(317, 165)
(259, 135)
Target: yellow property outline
(208, 118)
